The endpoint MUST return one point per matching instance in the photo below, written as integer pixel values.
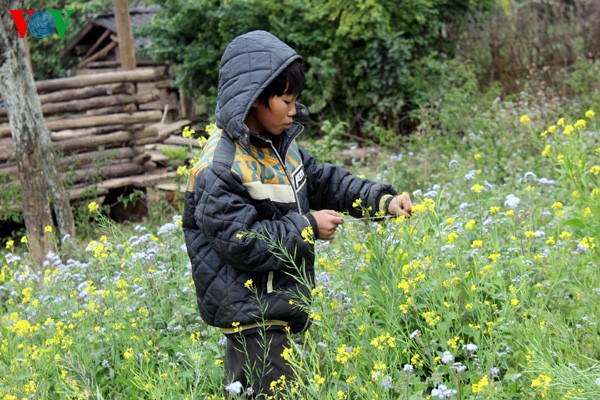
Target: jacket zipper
(286, 174)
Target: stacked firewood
(104, 129)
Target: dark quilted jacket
(244, 183)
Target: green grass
(475, 296)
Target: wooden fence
(109, 134)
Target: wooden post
(126, 45)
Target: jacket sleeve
(224, 212)
(332, 187)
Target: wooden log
(90, 142)
(167, 130)
(100, 120)
(92, 174)
(87, 192)
(149, 166)
(116, 64)
(97, 44)
(142, 158)
(87, 92)
(181, 141)
(8, 152)
(158, 157)
(75, 133)
(95, 102)
(102, 53)
(150, 132)
(137, 75)
(143, 180)
(123, 108)
(98, 156)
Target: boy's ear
(255, 104)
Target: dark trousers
(254, 359)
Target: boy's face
(273, 119)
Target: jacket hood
(249, 63)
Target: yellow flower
(308, 235)
(182, 170)
(568, 130)
(588, 242)
(10, 244)
(187, 132)
(546, 150)
(93, 206)
(477, 243)
(452, 236)
(494, 257)
(449, 220)
(357, 203)
(565, 235)
(248, 284)
(470, 224)
(477, 188)
(595, 169)
(560, 122)
(210, 128)
(590, 114)
(514, 302)
(542, 380)
(552, 128)
(477, 156)
(525, 119)
(48, 229)
(24, 239)
(128, 353)
(550, 241)
(580, 124)
(202, 141)
(481, 385)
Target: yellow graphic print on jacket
(259, 169)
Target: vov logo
(41, 24)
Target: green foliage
(486, 297)
(359, 54)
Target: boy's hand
(327, 221)
(400, 205)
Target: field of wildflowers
(490, 290)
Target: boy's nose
(292, 110)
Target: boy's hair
(290, 80)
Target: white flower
(447, 357)
(408, 368)
(470, 347)
(443, 392)
(470, 175)
(512, 201)
(415, 334)
(235, 387)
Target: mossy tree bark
(42, 188)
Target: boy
(253, 177)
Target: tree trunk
(126, 45)
(40, 182)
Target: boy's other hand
(327, 221)
(400, 205)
